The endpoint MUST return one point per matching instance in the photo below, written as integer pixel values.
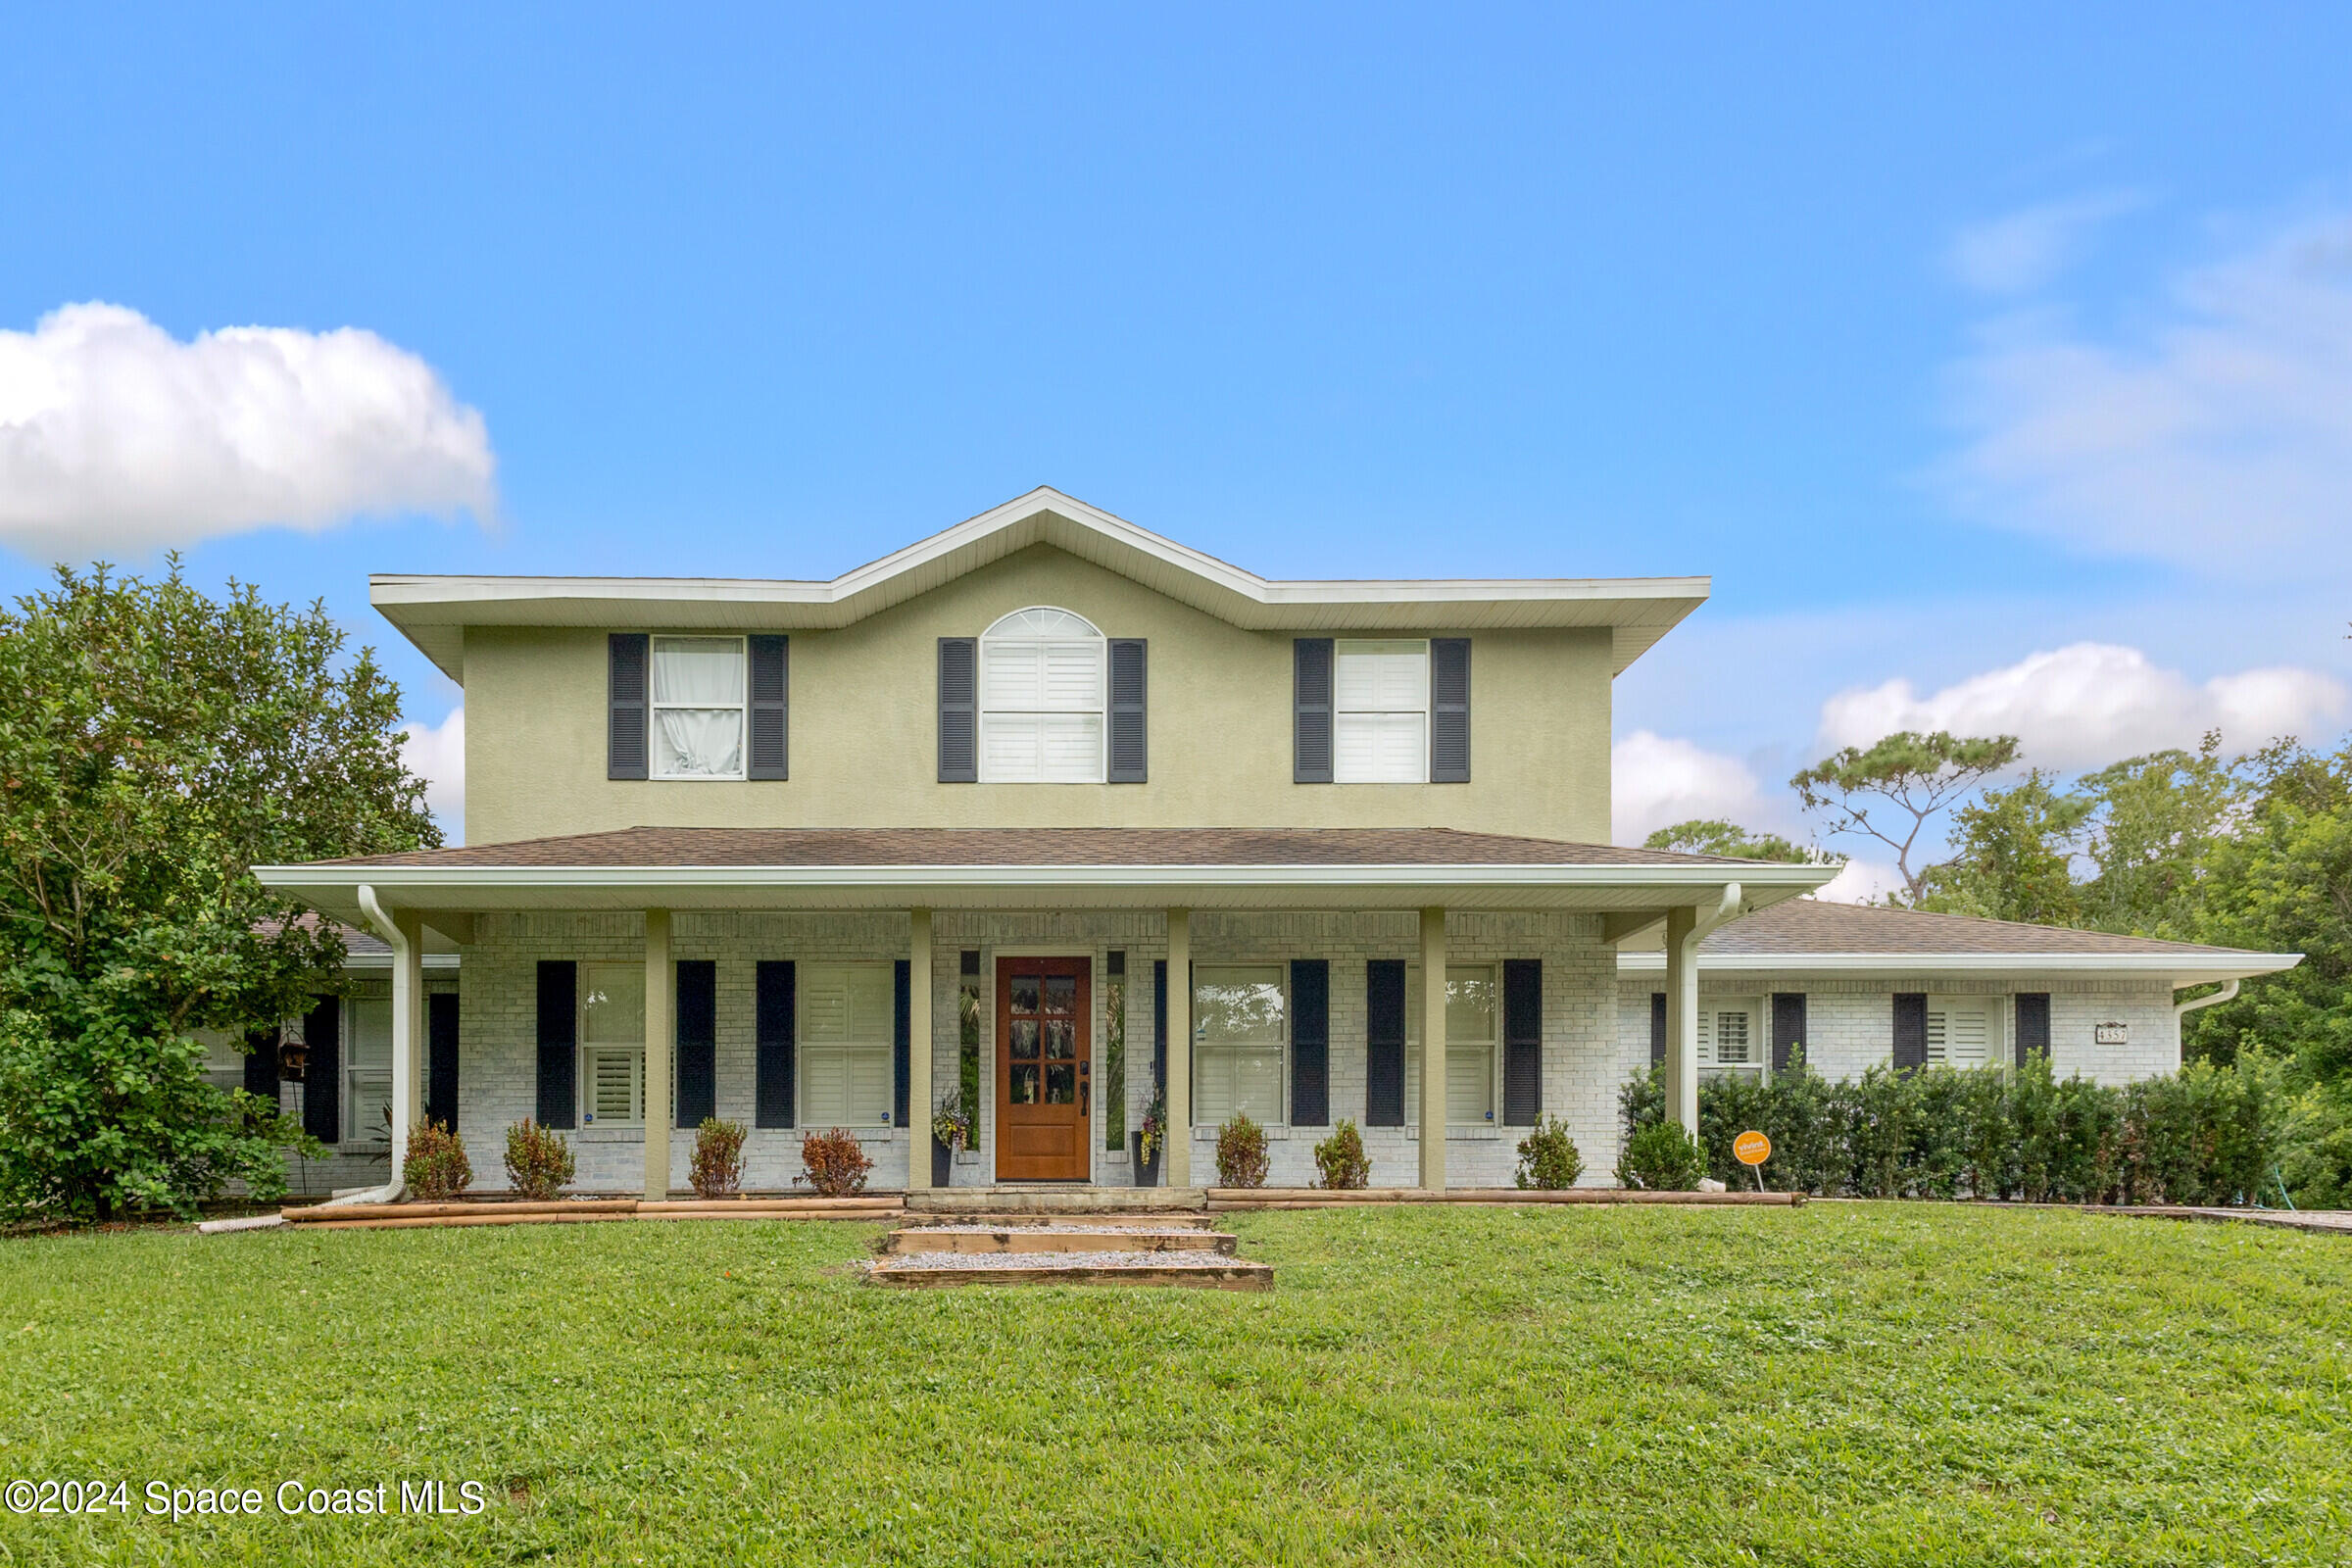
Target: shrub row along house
(942, 831)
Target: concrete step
(1056, 1200)
(1163, 1220)
(1047, 1241)
(1209, 1271)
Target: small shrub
(437, 1169)
(834, 1164)
(1241, 1153)
(1341, 1159)
(716, 1169)
(1548, 1159)
(1661, 1158)
(538, 1160)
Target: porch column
(661, 1053)
(918, 1051)
(1682, 1016)
(1433, 1049)
(408, 1040)
(1179, 1048)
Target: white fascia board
(2202, 965)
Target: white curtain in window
(698, 706)
(698, 742)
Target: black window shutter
(1910, 1030)
(771, 687)
(261, 1063)
(2033, 1024)
(1787, 1026)
(625, 744)
(1522, 1041)
(1657, 1028)
(960, 709)
(901, 1033)
(1129, 732)
(697, 1040)
(1384, 1043)
(1310, 1041)
(323, 1071)
(772, 1036)
(1159, 1027)
(1449, 710)
(441, 1058)
(559, 1041)
(1311, 700)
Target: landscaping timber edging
(1232, 1198)
(420, 1216)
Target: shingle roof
(1039, 846)
(1806, 926)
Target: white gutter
(1651, 958)
(2182, 1009)
(398, 941)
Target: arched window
(1041, 699)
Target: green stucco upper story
(552, 671)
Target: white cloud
(2219, 437)
(116, 436)
(2026, 249)
(1862, 882)
(1656, 780)
(2091, 704)
(437, 752)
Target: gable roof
(432, 612)
(1806, 933)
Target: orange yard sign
(1753, 1149)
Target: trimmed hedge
(2203, 1136)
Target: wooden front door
(1043, 1069)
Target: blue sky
(1941, 341)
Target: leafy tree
(1892, 790)
(2013, 856)
(155, 744)
(2155, 821)
(1715, 836)
(2281, 882)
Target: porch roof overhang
(689, 869)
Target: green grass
(1844, 1384)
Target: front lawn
(1842, 1383)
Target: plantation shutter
(2033, 1025)
(625, 735)
(1657, 1028)
(697, 1040)
(773, 1002)
(1522, 1041)
(1310, 1041)
(1449, 710)
(902, 1034)
(770, 689)
(261, 1063)
(1384, 1043)
(559, 1041)
(1311, 700)
(960, 709)
(322, 1070)
(1159, 1027)
(1129, 732)
(1910, 1030)
(1787, 1027)
(441, 1058)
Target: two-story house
(1050, 816)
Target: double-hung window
(1241, 1014)
(1964, 1031)
(698, 706)
(1731, 1037)
(848, 1012)
(367, 1086)
(224, 1062)
(1473, 1020)
(613, 1044)
(1381, 726)
(1042, 680)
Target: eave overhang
(2184, 968)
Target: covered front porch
(803, 981)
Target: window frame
(1341, 713)
(804, 1048)
(1200, 1044)
(1757, 1010)
(1998, 1027)
(584, 1075)
(654, 708)
(1491, 1047)
(358, 1130)
(982, 709)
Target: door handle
(1086, 1088)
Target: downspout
(2182, 1009)
(387, 928)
